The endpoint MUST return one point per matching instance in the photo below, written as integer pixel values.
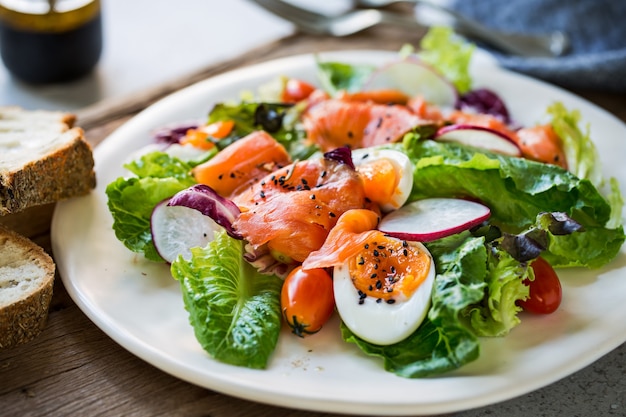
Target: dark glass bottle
(46, 41)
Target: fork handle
(512, 43)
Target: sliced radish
(479, 137)
(208, 202)
(177, 229)
(414, 78)
(433, 218)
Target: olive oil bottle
(50, 41)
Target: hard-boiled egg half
(387, 176)
(383, 292)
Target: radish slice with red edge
(177, 229)
(433, 218)
(414, 78)
(189, 219)
(479, 137)
(208, 202)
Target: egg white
(378, 322)
(402, 164)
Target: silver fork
(555, 42)
(355, 21)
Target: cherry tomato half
(296, 90)
(307, 300)
(545, 291)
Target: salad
(397, 197)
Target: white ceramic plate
(139, 305)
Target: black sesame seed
(331, 214)
(376, 253)
(373, 275)
(362, 261)
(219, 177)
(312, 196)
(379, 300)
(391, 301)
(379, 284)
(367, 246)
(232, 175)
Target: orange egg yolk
(388, 269)
(380, 180)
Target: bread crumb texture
(26, 283)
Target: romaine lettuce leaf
(131, 200)
(449, 54)
(517, 190)
(234, 310)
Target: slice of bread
(43, 159)
(26, 283)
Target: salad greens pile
(235, 311)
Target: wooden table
(73, 368)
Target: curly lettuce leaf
(444, 341)
(159, 165)
(450, 55)
(234, 310)
(582, 156)
(497, 313)
(580, 152)
(131, 200)
(517, 190)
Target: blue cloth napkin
(597, 29)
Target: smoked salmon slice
(293, 209)
(353, 229)
(335, 123)
(242, 163)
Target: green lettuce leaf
(497, 313)
(582, 157)
(131, 200)
(580, 152)
(159, 165)
(234, 310)
(337, 76)
(444, 341)
(449, 54)
(517, 190)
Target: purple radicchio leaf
(342, 155)
(204, 199)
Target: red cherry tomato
(296, 90)
(307, 300)
(545, 291)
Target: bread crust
(67, 172)
(23, 318)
